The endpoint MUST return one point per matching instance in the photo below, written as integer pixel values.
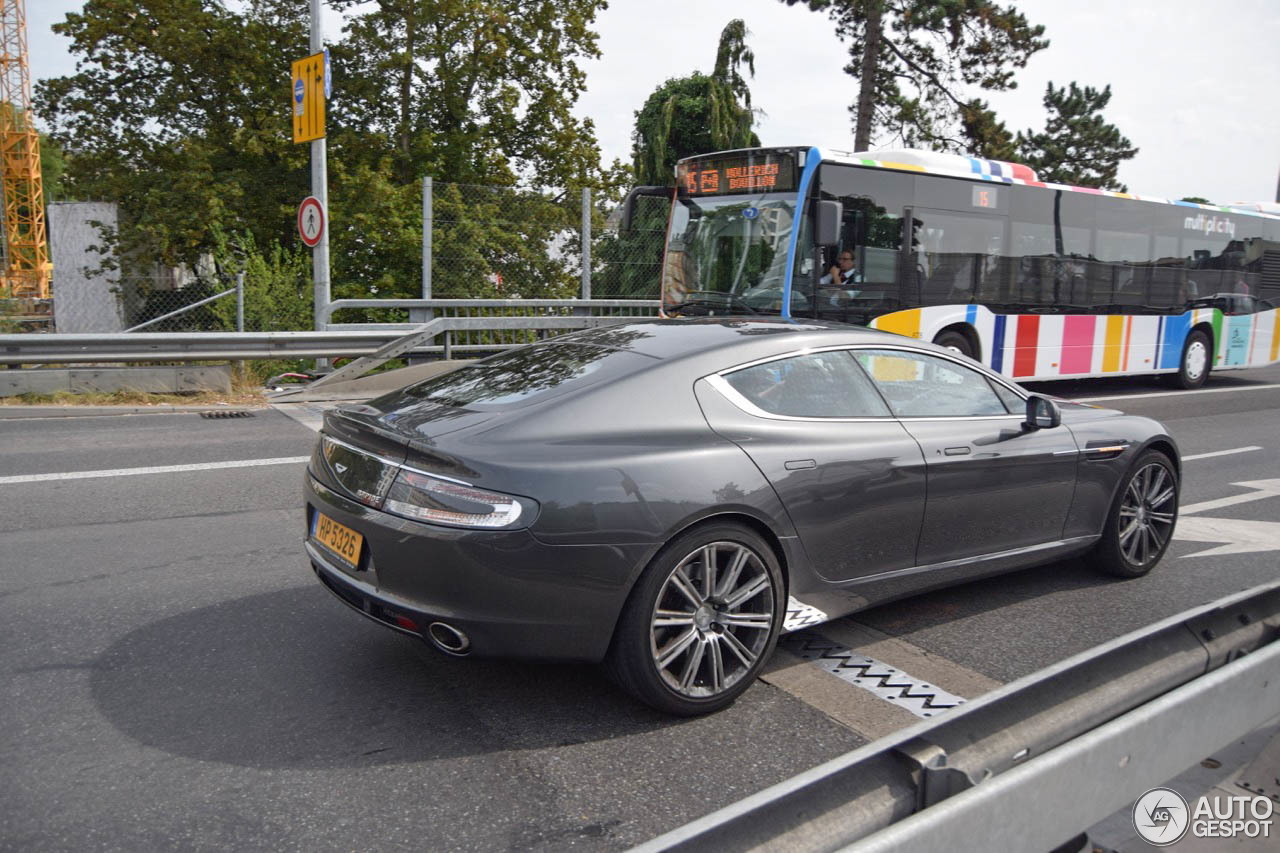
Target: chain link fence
(511, 243)
(478, 242)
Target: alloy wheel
(712, 619)
(1147, 514)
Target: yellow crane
(27, 271)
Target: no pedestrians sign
(311, 221)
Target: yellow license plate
(341, 540)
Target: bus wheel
(1194, 368)
(956, 342)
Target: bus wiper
(721, 300)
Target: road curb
(22, 412)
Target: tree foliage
(683, 117)
(53, 162)
(475, 91)
(698, 113)
(1077, 146)
(916, 59)
(175, 112)
(179, 111)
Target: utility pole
(320, 189)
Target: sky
(1195, 85)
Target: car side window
(816, 385)
(922, 385)
(1015, 404)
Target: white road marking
(154, 469)
(1230, 452)
(309, 415)
(801, 615)
(1141, 396)
(1261, 489)
(1242, 536)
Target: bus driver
(842, 273)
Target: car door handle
(956, 451)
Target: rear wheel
(1196, 362)
(1142, 519)
(956, 342)
(701, 621)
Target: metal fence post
(424, 315)
(240, 301)
(426, 237)
(586, 242)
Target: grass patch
(246, 393)
(253, 400)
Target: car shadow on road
(292, 679)
(932, 609)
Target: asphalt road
(172, 676)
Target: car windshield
(728, 252)
(521, 376)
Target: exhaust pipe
(448, 639)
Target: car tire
(956, 342)
(1141, 520)
(688, 644)
(1196, 362)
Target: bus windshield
(727, 253)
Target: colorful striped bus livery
(1030, 347)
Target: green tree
(915, 60)
(474, 91)
(53, 163)
(1077, 146)
(698, 113)
(277, 284)
(987, 136)
(1197, 199)
(178, 111)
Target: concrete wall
(81, 302)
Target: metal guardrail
(1037, 761)
(218, 346)
(433, 308)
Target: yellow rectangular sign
(306, 98)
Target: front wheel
(1141, 520)
(701, 621)
(1196, 362)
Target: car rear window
(518, 377)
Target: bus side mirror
(1042, 413)
(629, 203)
(826, 230)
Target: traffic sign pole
(320, 189)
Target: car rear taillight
(426, 498)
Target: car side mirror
(826, 231)
(629, 203)
(1042, 413)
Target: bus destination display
(737, 175)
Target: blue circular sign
(299, 89)
(750, 213)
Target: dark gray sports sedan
(670, 496)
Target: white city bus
(1037, 280)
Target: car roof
(755, 337)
